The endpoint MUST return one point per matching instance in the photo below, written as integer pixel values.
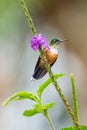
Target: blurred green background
(58, 18)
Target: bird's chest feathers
(54, 51)
(51, 55)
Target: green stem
(49, 121)
(28, 17)
(33, 30)
(68, 107)
(75, 104)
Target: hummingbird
(51, 54)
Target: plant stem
(49, 120)
(28, 17)
(33, 30)
(75, 104)
(68, 107)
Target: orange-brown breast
(50, 57)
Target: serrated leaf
(46, 83)
(20, 96)
(30, 112)
(74, 128)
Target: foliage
(74, 128)
(38, 107)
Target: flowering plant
(36, 42)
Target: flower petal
(38, 40)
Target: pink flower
(38, 40)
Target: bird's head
(56, 42)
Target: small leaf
(75, 128)
(30, 112)
(49, 105)
(38, 108)
(75, 103)
(46, 83)
(20, 96)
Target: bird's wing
(39, 70)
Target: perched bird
(51, 56)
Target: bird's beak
(63, 41)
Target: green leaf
(38, 108)
(49, 105)
(30, 112)
(75, 103)
(41, 107)
(46, 83)
(74, 128)
(20, 96)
